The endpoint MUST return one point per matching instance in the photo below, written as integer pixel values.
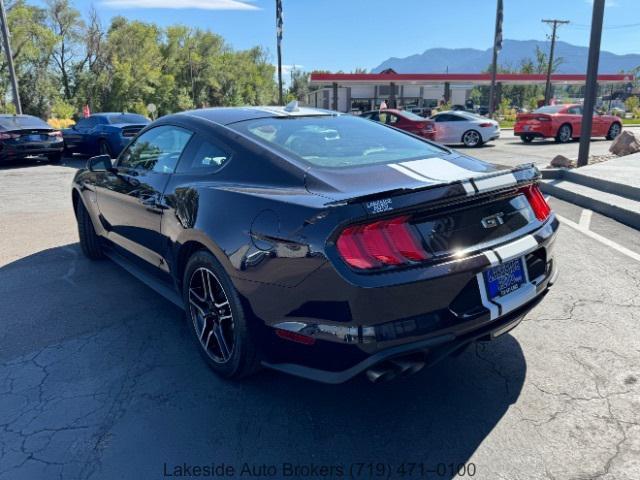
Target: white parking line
(585, 218)
(600, 238)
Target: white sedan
(465, 127)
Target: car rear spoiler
(451, 192)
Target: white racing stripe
(492, 307)
(439, 169)
(493, 183)
(492, 257)
(516, 249)
(399, 168)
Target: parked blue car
(103, 133)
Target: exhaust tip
(380, 374)
(408, 365)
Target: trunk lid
(532, 117)
(454, 172)
(455, 204)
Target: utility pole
(591, 89)
(279, 37)
(547, 88)
(497, 46)
(7, 51)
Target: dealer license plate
(504, 279)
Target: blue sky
(344, 34)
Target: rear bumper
(434, 348)
(355, 328)
(9, 152)
(539, 130)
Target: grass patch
(507, 124)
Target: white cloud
(182, 4)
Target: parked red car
(404, 121)
(563, 122)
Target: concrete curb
(617, 201)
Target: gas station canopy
(351, 79)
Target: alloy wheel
(565, 133)
(614, 131)
(471, 138)
(211, 315)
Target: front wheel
(527, 138)
(89, 239)
(614, 131)
(217, 318)
(471, 138)
(564, 134)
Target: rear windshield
(337, 141)
(549, 109)
(127, 118)
(19, 122)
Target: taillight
(539, 205)
(381, 243)
(55, 133)
(543, 119)
(485, 125)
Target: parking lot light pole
(497, 46)
(279, 48)
(591, 89)
(7, 51)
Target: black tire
(527, 138)
(472, 138)
(89, 240)
(565, 133)
(614, 130)
(55, 157)
(221, 320)
(104, 148)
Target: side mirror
(100, 163)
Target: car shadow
(123, 372)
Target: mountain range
(471, 60)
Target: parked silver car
(465, 127)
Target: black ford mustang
(319, 244)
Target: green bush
(62, 109)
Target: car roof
(106, 114)
(229, 115)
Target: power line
(555, 23)
(610, 27)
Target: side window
(156, 150)
(575, 111)
(208, 158)
(393, 119)
(83, 123)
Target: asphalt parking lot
(100, 379)
(509, 149)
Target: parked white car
(454, 127)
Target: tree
(68, 27)
(32, 45)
